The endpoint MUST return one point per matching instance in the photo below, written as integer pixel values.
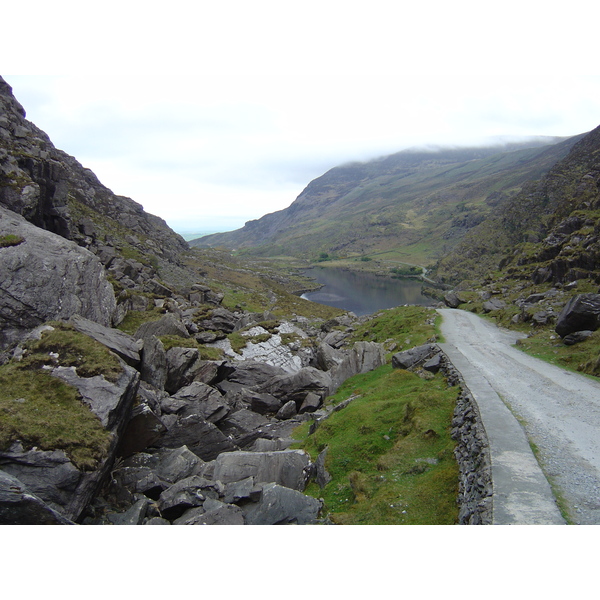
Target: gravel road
(559, 410)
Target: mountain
(418, 203)
(548, 233)
(54, 192)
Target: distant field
(194, 236)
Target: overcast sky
(213, 113)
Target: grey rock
(243, 426)
(110, 401)
(220, 319)
(286, 467)
(362, 358)
(204, 439)
(581, 313)
(295, 386)
(135, 515)
(310, 403)
(213, 513)
(143, 429)
(179, 361)
(124, 345)
(413, 357)
(252, 373)
(47, 277)
(244, 489)
(200, 398)
(169, 324)
(280, 506)
(434, 364)
(453, 300)
(153, 369)
(186, 493)
(322, 477)
(18, 506)
(493, 304)
(157, 521)
(576, 337)
(287, 411)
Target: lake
(363, 293)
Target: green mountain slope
(413, 205)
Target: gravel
(559, 410)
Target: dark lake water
(363, 293)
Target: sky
(210, 114)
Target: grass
(10, 240)
(389, 452)
(407, 326)
(547, 345)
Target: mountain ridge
(382, 205)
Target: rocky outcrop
(45, 277)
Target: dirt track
(559, 410)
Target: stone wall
(472, 454)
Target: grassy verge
(389, 452)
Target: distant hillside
(414, 205)
(548, 233)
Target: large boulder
(581, 313)
(296, 386)
(362, 358)
(46, 277)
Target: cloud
(221, 109)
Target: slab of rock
(581, 313)
(186, 493)
(493, 304)
(143, 429)
(287, 467)
(153, 369)
(295, 386)
(576, 337)
(167, 325)
(213, 513)
(281, 506)
(453, 300)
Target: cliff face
(53, 191)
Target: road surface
(558, 410)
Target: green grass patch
(135, 318)
(547, 345)
(67, 347)
(408, 326)
(389, 452)
(43, 411)
(10, 240)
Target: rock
(576, 337)
(204, 439)
(493, 304)
(328, 357)
(252, 374)
(213, 513)
(310, 403)
(220, 319)
(143, 429)
(295, 386)
(122, 344)
(244, 489)
(18, 506)
(362, 358)
(153, 369)
(186, 493)
(286, 467)
(243, 426)
(199, 398)
(453, 300)
(135, 515)
(280, 506)
(263, 404)
(335, 339)
(110, 401)
(179, 361)
(581, 313)
(434, 364)
(46, 277)
(169, 324)
(287, 411)
(322, 477)
(413, 357)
